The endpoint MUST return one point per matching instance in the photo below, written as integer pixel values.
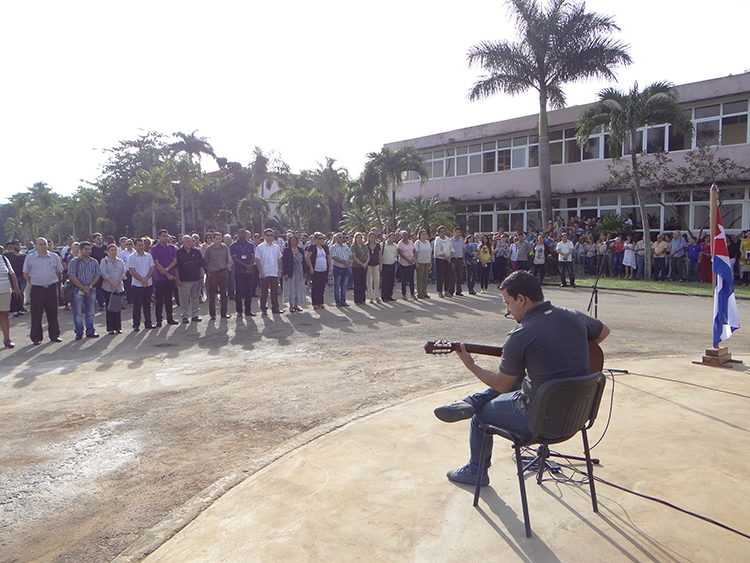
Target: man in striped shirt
(84, 273)
(341, 255)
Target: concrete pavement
(375, 489)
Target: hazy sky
(307, 79)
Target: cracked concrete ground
(103, 439)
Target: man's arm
(499, 381)
(602, 335)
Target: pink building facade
(491, 171)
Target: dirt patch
(103, 439)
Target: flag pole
(717, 356)
(714, 206)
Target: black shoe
(459, 294)
(185, 321)
(158, 324)
(79, 336)
(213, 317)
(196, 319)
(58, 339)
(458, 410)
(92, 335)
(249, 314)
(111, 332)
(573, 285)
(36, 342)
(563, 285)
(264, 313)
(239, 316)
(278, 312)
(226, 316)
(136, 329)
(172, 322)
(472, 293)
(149, 327)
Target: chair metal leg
(486, 440)
(590, 468)
(542, 454)
(522, 486)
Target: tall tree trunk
(644, 216)
(153, 218)
(393, 209)
(377, 215)
(545, 174)
(182, 208)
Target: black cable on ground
(584, 481)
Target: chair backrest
(562, 407)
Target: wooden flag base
(718, 357)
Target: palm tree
(623, 114)
(331, 182)
(90, 202)
(253, 210)
(157, 182)
(357, 219)
(191, 145)
(558, 44)
(427, 213)
(305, 205)
(387, 168)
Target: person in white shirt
(141, 267)
(407, 260)
(125, 255)
(443, 252)
(565, 260)
(423, 250)
(268, 259)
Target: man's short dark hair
(522, 282)
(162, 231)
(268, 230)
(84, 244)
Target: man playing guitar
(549, 343)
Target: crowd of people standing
(291, 267)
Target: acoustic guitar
(438, 347)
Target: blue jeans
(83, 304)
(340, 279)
(694, 270)
(640, 262)
(566, 267)
(507, 411)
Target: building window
(519, 158)
(734, 130)
(462, 166)
(489, 162)
(655, 139)
(591, 150)
(475, 164)
(503, 160)
(572, 152)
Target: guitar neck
(478, 349)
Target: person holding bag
(114, 273)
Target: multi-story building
(490, 171)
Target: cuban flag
(726, 314)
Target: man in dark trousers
(549, 343)
(43, 269)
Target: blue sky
(306, 79)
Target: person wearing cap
(43, 271)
